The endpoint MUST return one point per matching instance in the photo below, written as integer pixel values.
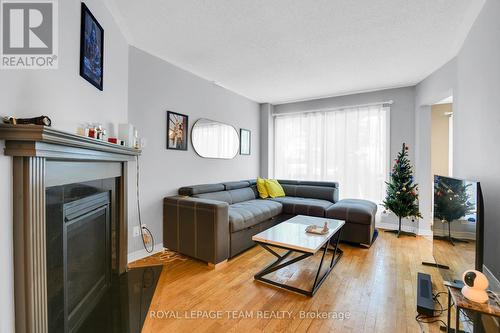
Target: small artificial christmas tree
(402, 192)
(451, 202)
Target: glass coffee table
(291, 236)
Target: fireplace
(79, 256)
(70, 224)
(87, 256)
(85, 293)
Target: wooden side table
(491, 308)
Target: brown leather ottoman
(359, 217)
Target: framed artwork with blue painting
(91, 49)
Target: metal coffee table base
(277, 264)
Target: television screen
(455, 226)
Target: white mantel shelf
(43, 141)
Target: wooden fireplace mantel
(42, 141)
(33, 148)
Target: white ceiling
(284, 50)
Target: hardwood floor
(375, 287)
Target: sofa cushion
(274, 188)
(218, 196)
(309, 182)
(353, 211)
(249, 213)
(236, 185)
(261, 188)
(303, 206)
(199, 189)
(324, 191)
(242, 194)
(317, 192)
(231, 196)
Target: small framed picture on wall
(177, 131)
(245, 141)
(91, 49)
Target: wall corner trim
(494, 283)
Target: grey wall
(477, 120)
(156, 86)
(62, 94)
(402, 121)
(68, 100)
(474, 78)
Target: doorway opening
(442, 138)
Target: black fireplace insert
(87, 256)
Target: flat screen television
(457, 226)
(458, 229)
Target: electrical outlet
(147, 239)
(136, 231)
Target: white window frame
(389, 151)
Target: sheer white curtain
(350, 146)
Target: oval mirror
(212, 139)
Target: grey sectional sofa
(214, 222)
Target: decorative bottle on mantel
(136, 139)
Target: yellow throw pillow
(261, 188)
(274, 188)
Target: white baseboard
(390, 221)
(425, 232)
(404, 227)
(456, 234)
(133, 256)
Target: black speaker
(425, 303)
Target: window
(350, 146)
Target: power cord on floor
(432, 319)
(421, 319)
(145, 232)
